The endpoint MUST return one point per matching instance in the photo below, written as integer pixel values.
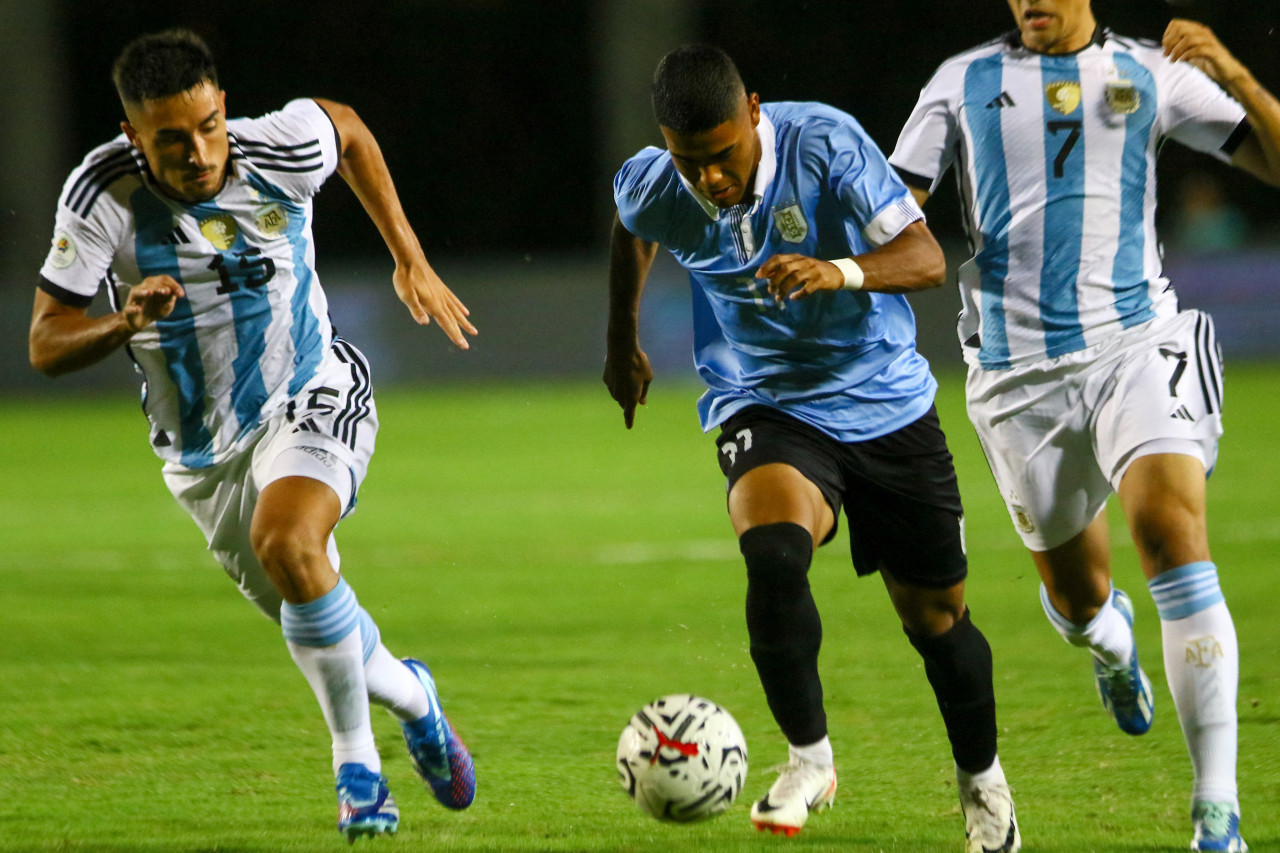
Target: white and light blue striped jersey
(1055, 159)
(253, 327)
(844, 361)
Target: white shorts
(1060, 434)
(326, 432)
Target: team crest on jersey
(791, 223)
(220, 230)
(1063, 95)
(63, 253)
(272, 219)
(1122, 97)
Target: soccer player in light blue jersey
(199, 228)
(1084, 377)
(799, 240)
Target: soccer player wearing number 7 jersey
(800, 240)
(1084, 377)
(199, 229)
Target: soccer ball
(682, 758)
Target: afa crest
(220, 230)
(1022, 520)
(1123, 97)
(1063, 95)
(1203, 651)
(272, 219)
(791, 223)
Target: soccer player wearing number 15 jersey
(1084, 377)
(199, 230)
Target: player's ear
(130, 133)
(753, 107)
(222, 101)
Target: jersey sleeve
(1195, 111)
(927, 145)
(638, 190)
(296, 148)
(867, 185)
(83, 247)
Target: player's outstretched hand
(153, 299)
(428, 298)
(1189, 41)
(798, 276)
(627, 376)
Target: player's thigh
(1035, 429)
(779, 469)
(905, 516)
(221, 499)
(327, 432)
(1165, 397)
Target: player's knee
(776, 554)
(285, 549)
(1169, 535)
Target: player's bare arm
(911, 261)
(64, 338)
(626, 368)
(362, 166)
(1259, 154)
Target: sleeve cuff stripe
(66, 297)
(1237, 136)
(911, 179)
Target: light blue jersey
(1055, 156)
(253, 327)
(844, 361)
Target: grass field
(557, 572)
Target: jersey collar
(765, 170)
(1100, 34)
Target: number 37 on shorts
(729, 447)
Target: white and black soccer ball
(682, 758)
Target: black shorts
(899, 491)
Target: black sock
(958, 665)
(784, 627)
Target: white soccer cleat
(801, 788)
(990, 825)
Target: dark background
(503, 123)
(488, 110)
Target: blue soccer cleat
(440, 757)
(1217, 827)
(1126, 691)
(365, 804)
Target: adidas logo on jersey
(1003, 100)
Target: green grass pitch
(558, 572)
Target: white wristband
(852, 273)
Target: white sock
(994, 773)
(1202, 666)
(393, 686)
(336, 676)
(324, 639)
(1108, 635)
(815, 753)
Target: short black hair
(696, 88)
(162, 64)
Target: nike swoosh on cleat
(766, 806)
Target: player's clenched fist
(797, 276)
(1188, 41)
(153, 299)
